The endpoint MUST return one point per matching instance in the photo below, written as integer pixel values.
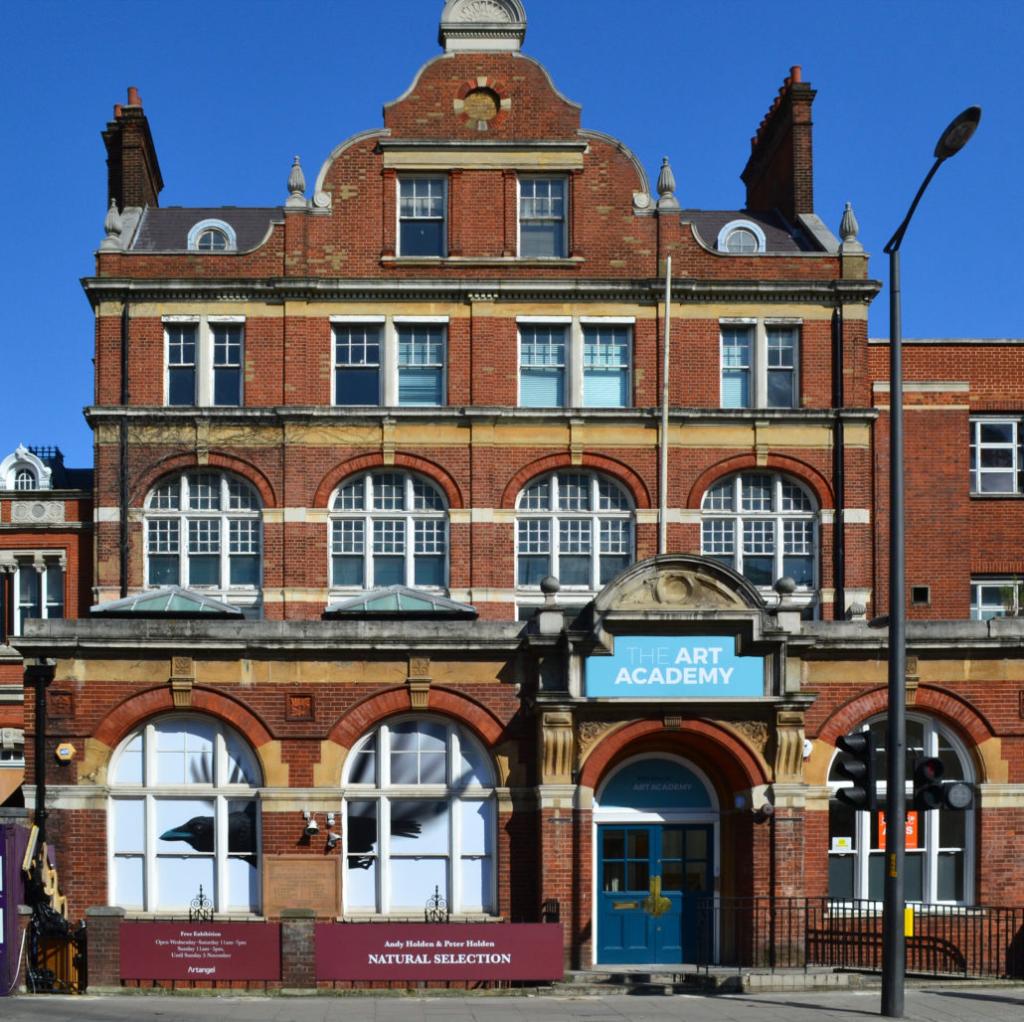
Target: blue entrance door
(650, 878)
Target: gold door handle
(622, 905)
(655, 904)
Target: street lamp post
(952, 140)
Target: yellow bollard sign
(908, 921)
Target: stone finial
(849, 229)
(667, 187)
(113, 226)
(482, 26)
(296, 185)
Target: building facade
(389, 594)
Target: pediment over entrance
(678, 582)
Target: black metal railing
(790, 933)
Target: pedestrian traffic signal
(931, 792)
(928, 787)
(858, 766)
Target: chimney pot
(133, 96)
(796, 73)
(117, 111)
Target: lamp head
(958, 134)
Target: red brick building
(341, 443)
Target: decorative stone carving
(590, 732)
(296, 186)
(418, 681)
(754, 731)
(482, 25)
(37, 512)
(667, 187)
(678, 589)
(557, 747)
(113, 227)
(913, 679)
(789, 745)
(848, 231)
(183, 677)
(479, 11)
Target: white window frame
(575, 369)
(409, 515)
(443, 178)
(564, 220)
(12, 748)
(205, 367)
(1016, 466)
(928, 820)
(212, 224)
(1011, 592)
(383, 793)
(44, 564)
(342, 323)
(224, 515)
(219, 792)
(760, 368)
(555, 516)
(741, 225)
(777, 517)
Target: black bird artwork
(198, 833)
(362, 830)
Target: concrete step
(690, 980)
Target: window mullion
(220, 848)
(455, 899)
(384, 852)
(149, 893)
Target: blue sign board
(675, 667)
(655, 783)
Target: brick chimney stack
(133, 173)
(780, 172)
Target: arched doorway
(656, 856)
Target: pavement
(935, 1004)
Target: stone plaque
(302, 881)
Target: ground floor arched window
(183, 814)
(419, 814)
(940, 850)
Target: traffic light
(928, 793)
(858, 765)
(931, 792)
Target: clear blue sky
(233, 89)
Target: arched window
(741, 237)
(212, 236)
(212, 240)
(762, 525)
(203, 531)
(939, 842)
(419, 813)
(388, 528)
(577, 526)
(184, 812)
(25, 478)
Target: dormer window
(741, 237)
(25, 479)
(212, 236)
(23, 469)
(212, 240)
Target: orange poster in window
(911, 830)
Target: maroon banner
(201, 951)
(473, 951)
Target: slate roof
(709, 222)
(165, 228)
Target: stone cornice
(646, 290)
(278, 415)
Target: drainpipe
(838, 465)
(123, 454)
(663, 470)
